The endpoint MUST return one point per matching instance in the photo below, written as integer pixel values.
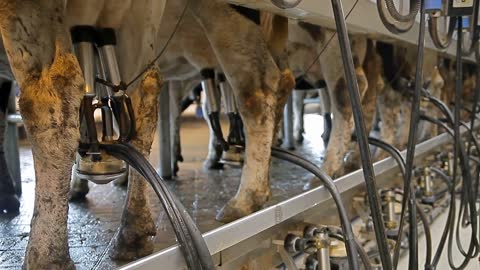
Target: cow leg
(298, 110)
(257, 83)
(389, 110)
(9, 202)
(134, 239)
(175, 109)
(402, 136)
(342, 124)
(215, 149)
(39, 49)
(372, 67)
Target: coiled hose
(393, 20)
(192, 244)
(436, 38)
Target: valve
(427, 186)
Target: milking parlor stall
(267, 134)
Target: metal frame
(363, 19)
(237, 239)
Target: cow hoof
(236, 208)
(9, 204)
(67, 264)
(121, 181)
(299, 138)
(212, 164)
(133, 248)
(175, 169)
(79, 190)
(135, 240)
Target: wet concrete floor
(92, 224)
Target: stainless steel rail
(363, 19)
(240, 237)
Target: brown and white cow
(38, 44)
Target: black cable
(414, 8)
(459, 151)
(412, 206)
(414, 118)
(361, 251)
(395, 26)
(433, 30)
(369, 175)
(330, 186)
(192, 244)
(447, 179)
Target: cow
(38, 45)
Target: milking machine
(236, 136)
(320, 248)
(104, 158)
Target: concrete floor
(93, 223)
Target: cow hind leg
(51, 121)
(137, 227)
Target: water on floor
(93, 223)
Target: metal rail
(363, 19)
(256, 231)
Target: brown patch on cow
(275, 30)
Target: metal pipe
(86, 58)
(322, 244)
(228, 96)
(165, 169)
(108, 58)
(361, 133)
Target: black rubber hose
(414, 118)
(410, 199)
(414, 8)
(459, 151)
(192, 244)
(433, 30)
(330, 186)
(464, 196)
(361, 251)
(395, 27)
(447, 179)
(369, 175)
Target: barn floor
(92, 224)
